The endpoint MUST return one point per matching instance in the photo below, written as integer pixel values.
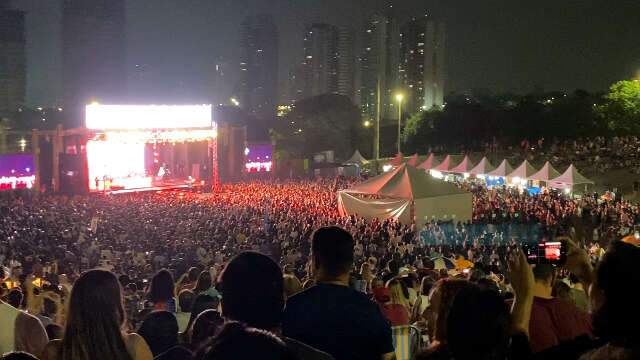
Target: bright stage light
(123, 162)
(172, 136)
(130, 117)
(386, 168)
(17, 182)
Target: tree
(621, 109)
(319, 123)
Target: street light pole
(399, 98)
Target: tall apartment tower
(93, 53)
(320, 59)
(379, 67)
(346, 62)
(434, 65)
(328, 60)
(12, 59)
(422, 69)
(259, 66)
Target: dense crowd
(599, 154)
(203, 276)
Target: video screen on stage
(17, 171)
(259, 158)
(149, 147)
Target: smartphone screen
(549, 252)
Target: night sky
(500, 45)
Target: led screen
(16, 171)
(259, 158)
(126, 117)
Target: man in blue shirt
(332, 317)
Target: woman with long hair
(203, 283)
(161, 291)
(94, 324)
(441, 299)
(393, 303)
(205, 286)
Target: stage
(160, 185)
(134, 148)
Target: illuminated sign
(140, 117)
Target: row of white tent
(525, 171)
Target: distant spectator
(14, 298)
(395, 306)
(161, 292)
(160, 330)
(204, 327)
(200, 304)
(292, 285)
(185, 302)
(204, 285)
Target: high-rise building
(379, 67)
(422, 63)
(219, 82)
(12, 59)
(259, 66)
(320, 59)
(295, 84)
(434, 65)
(328, 61)
(93, 53)
(346, 62)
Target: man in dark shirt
(331, 316)
(553, 320)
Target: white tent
(546, 173)
(484, 167)
(502, 170)
(465, 166)
(396, 193)
(524, 171)
(357, 159)
(570, 178)
(429, 164)
(445, 165)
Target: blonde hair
(396, 293)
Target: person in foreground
(237, 341)
(20, 331)
(94, 324)
(253, 288)
(616, 317)
(332, 317)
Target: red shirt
(554, 321)
(397, 314)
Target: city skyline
(499, 46)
